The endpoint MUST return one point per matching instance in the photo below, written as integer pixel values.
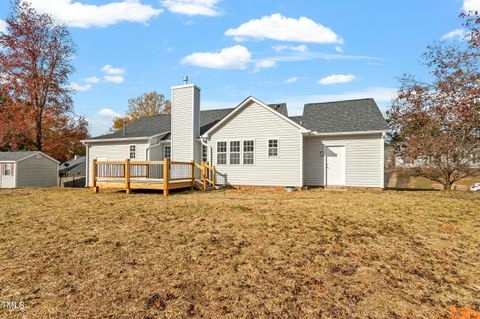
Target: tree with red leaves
(437, 125)
(35, 63)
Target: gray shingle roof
(343, 116)
(157, 124)
(15, 156)
(71, 164)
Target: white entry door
(335, 165)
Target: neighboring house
(27, 169)
(72, 172)
(331, 144)
(473, 161)
(73, 168)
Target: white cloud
(3, 26)
(110, 70)
(291, 80)
(339, 49)
(382, 95)
(236, 57)
(109, 113)
(278, 27)
(336, 79)
(193, 7)
(102, 121)
(92, 79)
(78, 14)
(113, 75)
(455, 34)
(471, 5)
(298, 48)
(265, 64)
(117, 79)
(80, 88)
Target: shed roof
(16, 156)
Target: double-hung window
(273, 148)
(234, 152)
(221, 153)
(204, 153)
(248, 152)
(133, 152)
(167, 152)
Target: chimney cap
(185, 79)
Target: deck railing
(164, 175)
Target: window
(221, 153)
(167, 152)
(204, 153)
(133, 151)
(272, 148)
(6, 170)
(234, 152)
(248, 151)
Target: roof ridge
(338, 101)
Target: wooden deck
(161, 175)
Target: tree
(438, 124)
(148, 104)
(35, 103)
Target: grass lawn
(239, 254)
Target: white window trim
(226, 152)
(201, 152)
(240, 152)
(254, 151)
(130, 152)
(164, 147)
(268, 147)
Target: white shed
(27, 169)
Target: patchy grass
(239, 254)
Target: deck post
(214, 173)
(127, 176)
(166, 177)
(94, 173)
(192, 173)
(204, 176)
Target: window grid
(204, 153)
(167, 152)
(248, 152)
(221, 153)
(273, 148)
(133, 151)
(234, 152)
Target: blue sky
(290, 51)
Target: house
(72, 173)
(338, 144)
(27, 169)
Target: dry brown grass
(239, 254)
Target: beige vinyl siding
(37, 171)
(364, 159)
(114, 151)
(185, 123)
(256, 123)
(8, 181)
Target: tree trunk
(38, 135)
(448, 185)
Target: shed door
(335, 165)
